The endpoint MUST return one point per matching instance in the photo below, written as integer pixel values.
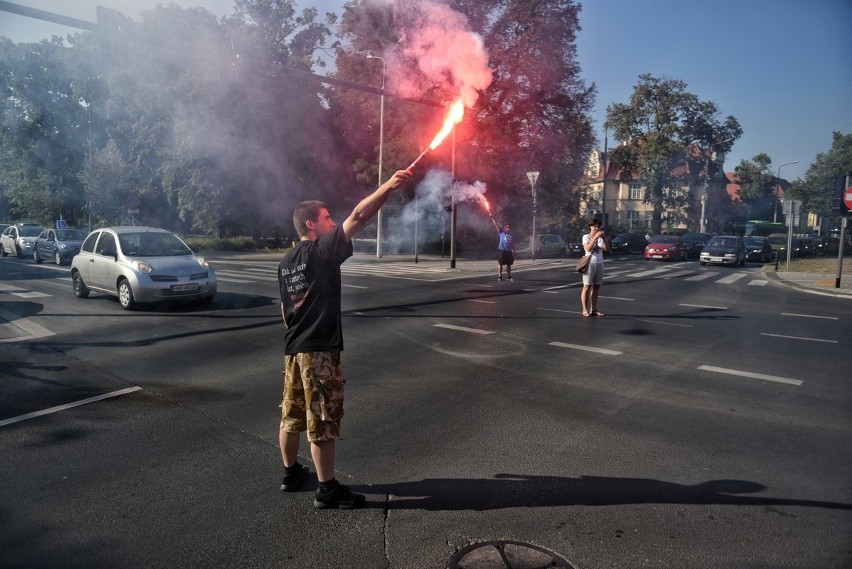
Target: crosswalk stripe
(648, 273)
(702, 276)
(758, 283)
(732, 278)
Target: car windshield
(663, 239)
(30, 231)
(723, 242)
(693, 237)
(70, 234)
(753, 242)
(148, 244)
(778, 240)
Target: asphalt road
(703, 422)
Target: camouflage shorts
(313, 395)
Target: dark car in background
(19, 239)
(724, 250)
(58, 245)
(758, 249)
(695, 243)
(628, 243)
(547, 245)
(665, 248)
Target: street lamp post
(533, 177)
(381, 149)
(777, 185)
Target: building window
(632, 220)
(649, 216)
(635, 191)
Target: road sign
(847, 197)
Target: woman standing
(594, 245)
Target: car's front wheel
(80, 288)
(36, 258)
(125, 295)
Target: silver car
(140, 265)
(19, 239)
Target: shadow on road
(523, 491)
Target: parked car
(803, 247)
(628, 243)
(826, 245)
(778, 242)
(547, 245)
(58, 245)
(724, 250)
(666, 248)
(575, 248)
(695, 242)
(19, 239)
(140, 265)
(758, 249)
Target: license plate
(184, 287)
(717, 259)
(656, 256)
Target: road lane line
(617, 298)
(352, 286)
(704, 306)
(481, 301)
(751, 375)
(798, 338)
(758, 283)
(50, 410)
(462, 329)
(809, 316)
(557, 310)
(666, 323)
(586, 348)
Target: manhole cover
(503, 554)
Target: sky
(782, 68)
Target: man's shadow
(523, 491)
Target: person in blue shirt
(505, 250)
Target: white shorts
(594, 276)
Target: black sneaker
(338, 496)
(294, 477)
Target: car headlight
(203, 262)
(143, 267)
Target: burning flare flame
(454, 117)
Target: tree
(758, 186)
(817, 187)
(534, 114)
(666, 135)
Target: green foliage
(817, 187)
(667, 134)
(242, 243)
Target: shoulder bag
(583, 263)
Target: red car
(666, 248)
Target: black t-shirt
(309, 282)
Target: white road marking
(30, 328)
(758, 283)
(676, 274)
(462, 329)
(617, 298)
(703, 306)
(732, 278)
(557, 310)
(50, 410)
(798, 338)
(352, 286)
(666, 323)
(702, 276)
(648, 273)
(751, 375)
(586, 348)
(481, 301)
(809, 316)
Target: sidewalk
(814, 283)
